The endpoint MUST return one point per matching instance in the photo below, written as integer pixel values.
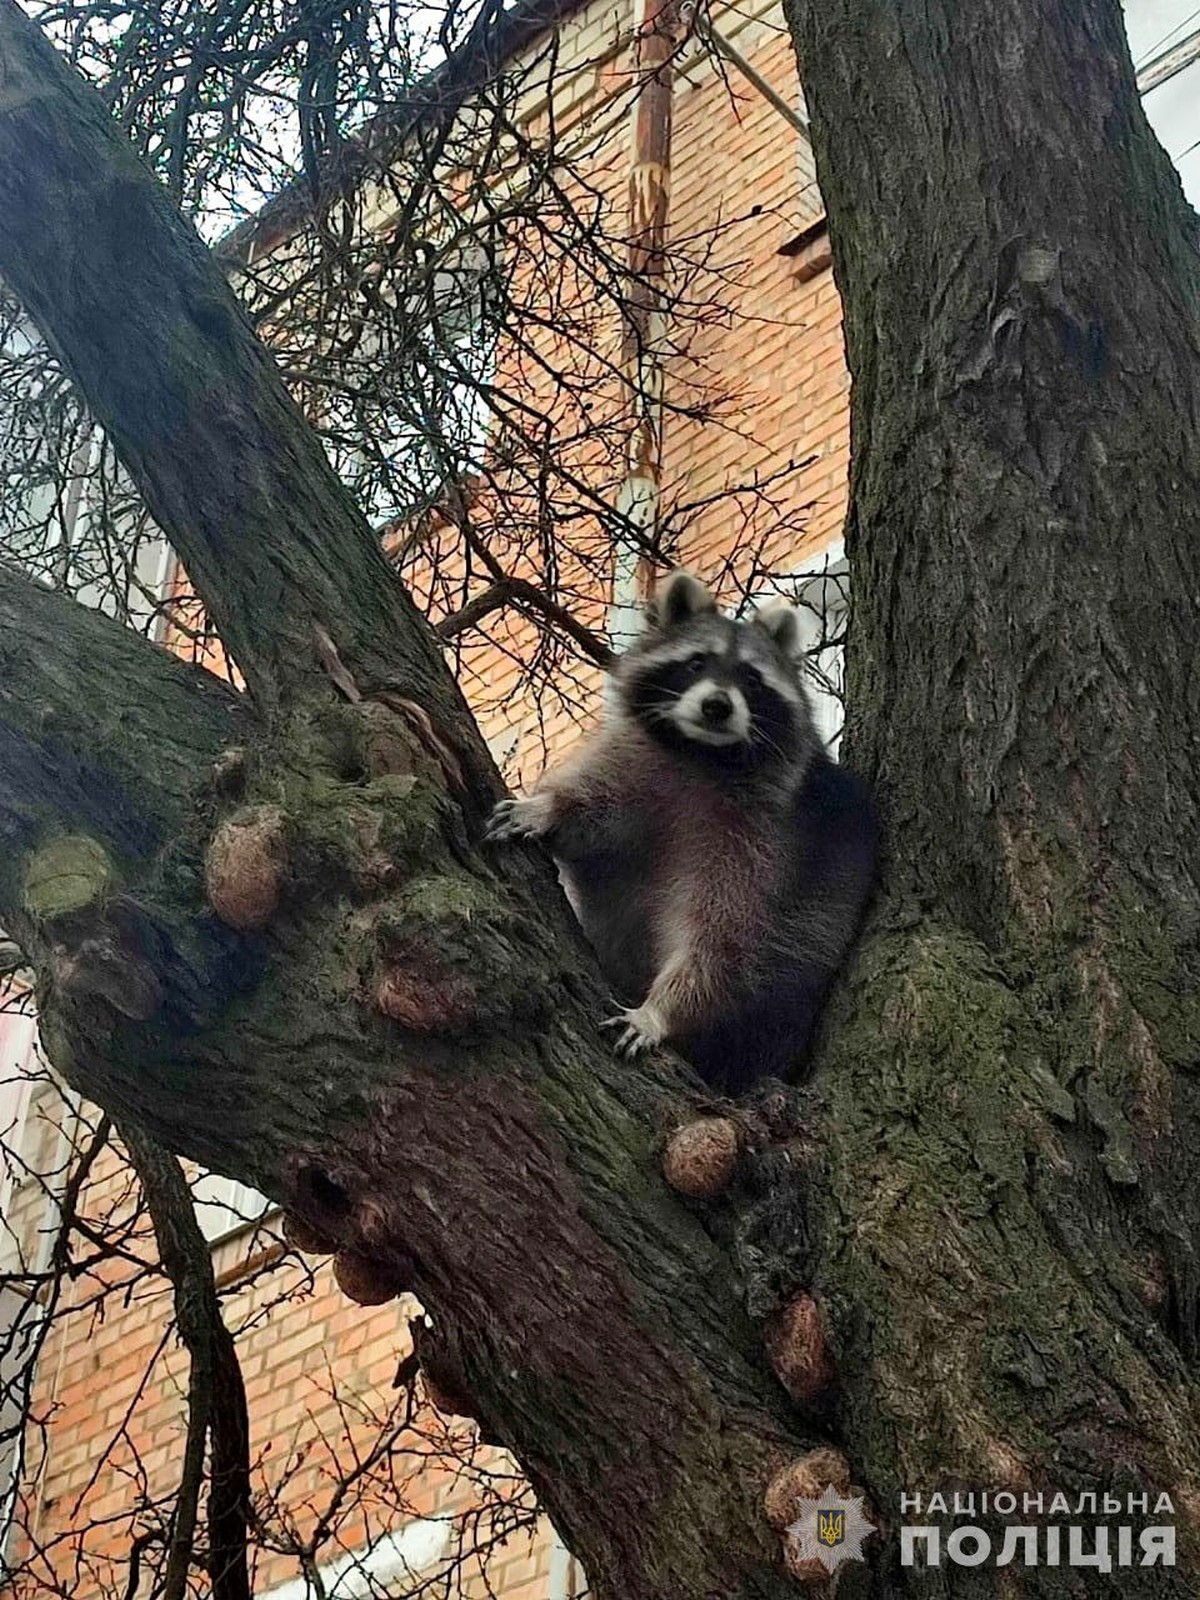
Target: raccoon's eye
(695, 663)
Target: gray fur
(700, 857)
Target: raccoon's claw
(515, 819)
(640, 1031)
(502, 824)
(631, 1041)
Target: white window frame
(225, 1207)
(18, 1032)
(20, 1370)
(818, 588)
(19, 1061)
(567, 1580)
(410, 1552)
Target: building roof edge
(495, 37)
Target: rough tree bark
(1002, 1216)
(1008, 1235)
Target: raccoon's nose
(716, 708)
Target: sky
(1173, 106)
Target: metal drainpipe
(643, 352)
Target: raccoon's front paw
(642, 1028)
(531, 818)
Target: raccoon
(718, 861)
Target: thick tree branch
(143, 320)
(80, 760)
(471, 1138)
(95, 795)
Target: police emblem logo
(830, 1529)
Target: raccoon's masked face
(725, 691)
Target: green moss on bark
(66, 875)
(994, 1318)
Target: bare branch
(216, 1395)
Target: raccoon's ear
(782, 622)
(681, 596)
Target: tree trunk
(1008, 1237)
